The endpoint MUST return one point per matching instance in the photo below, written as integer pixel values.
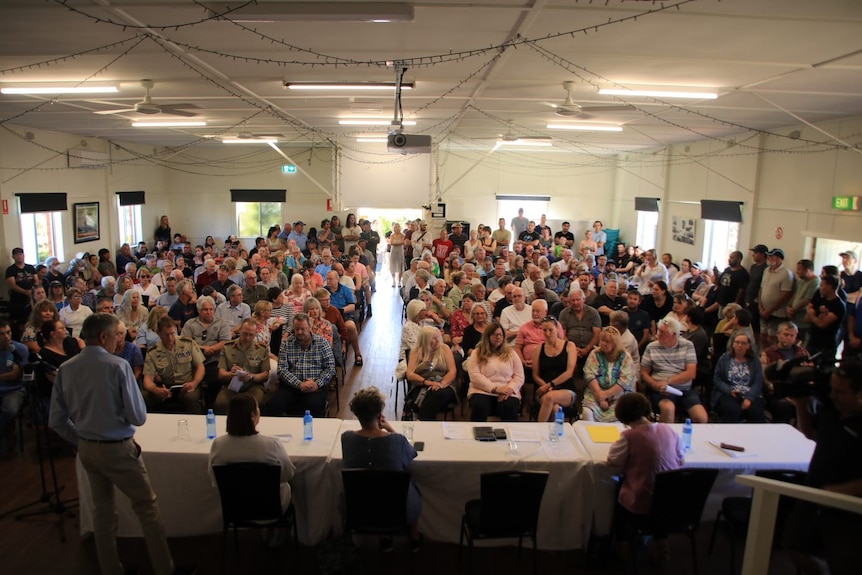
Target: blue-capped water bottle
(211, 426)
(559, 421)
(307, 426)
(687, 430)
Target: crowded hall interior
(366, 282)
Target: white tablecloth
(767, 446)
(188, 501)
(447, 474)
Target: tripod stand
(50, 498)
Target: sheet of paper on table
(603, 433)
(457, 430)
(560, 450)
(730, 452)
(522, 435)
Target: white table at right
(767, 446)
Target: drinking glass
(183, 429)
(407, 429)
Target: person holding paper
(243, 367)
(738, 384)
(644, 449)
(671, 364)
(173, 371)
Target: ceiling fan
(512, 136)
(570, 109)
(147, 106)
(246, 136)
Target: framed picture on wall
(683, 230)
(86, 222)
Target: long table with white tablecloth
(578, 498)
(767, 446)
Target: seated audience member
(211, 334)
(639, 319)
(609, 301)
(460, 319)
(58, 346)
(540, 291)
(173, 372)
(43, 311)
(582, 325)
(346, 328)
(694, 280)
(479, 320)
(530, 337)
(170, 296)
(553, 370)
(515, 315)
(234, 310)
(642, 451)
(816, 533)
(727, 324)
(243, 368)
(132, 312)
(496, 378)
(693, 317)
(737, 384)
(431, 371)
(149, 292)
(658, 304)
(787, 348)
(671, 361)
(148, 334)
(609, 372)
(378, 446)
(441, 304)
(743, 325)
(223, 281)
(340, 296)
(185, 307)
(306, 366)
(280, 307)
(252, 292)
(130, 352)
(243, 444)
(505, 301)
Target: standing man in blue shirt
(95, 405)
(11, 389)
(299, 236)
(600, 237)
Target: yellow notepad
(603, 433)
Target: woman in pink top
(644, 449)
(496, 377)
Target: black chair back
(510, 502)
(249, 492)
(678, 499)
(376, 500)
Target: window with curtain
(647, 231)
(42, 235)
(131, 231)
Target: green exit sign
(845, 203)
(288, 169)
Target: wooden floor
(34, 546)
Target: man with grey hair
(421, 282)
(534, 274)
(252, 292)
(184, 308)
(670, 363)
(96, 405)
(582, 325)
(170, 296)
(234, 310)
(109, 285)
(540, 291)
(211, 334)
(515, 315)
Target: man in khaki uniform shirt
(243, 354)
(175, 362)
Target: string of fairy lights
(743, 140)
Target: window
(508, 209)
(42, 235)
(826, 252)
(253, 219)
(719, 240)
(130, 224)
(647, 230)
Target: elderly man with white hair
(515, 315)
(668, 368)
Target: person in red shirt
(442, 246)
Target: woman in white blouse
(74, 314)
(149, 292)
(650, 272)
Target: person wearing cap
(776, 288)
(692, 283)
(298, 235)
(851, 276)
(755, 277)
(458, 237)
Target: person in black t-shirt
(836, 466)
(826, 314)
(732, 282)
(567, 236)
(530, 237)
(20, 278)
(609, 301)
(639, 320)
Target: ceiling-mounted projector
(408, 144)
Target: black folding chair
(376, 501)
(508, 507)
(677, 505)
(250, 496)
(735, 512)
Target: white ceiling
(803, 57)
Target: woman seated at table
(496, 378)
(609, 372)
(377, 446)
(243, 444)
(737, 383)
(643, 450)
(553, 370)
(431, 369)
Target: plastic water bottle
(211, 428)
(687, 430)
(307, 426)
(559, 421)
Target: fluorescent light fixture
(38, 89)
(373, 122)
(585, 127)
(344, 86)
(250, 141)
(523, 143)
(372, 140)
(169, 124)
(312, 11)
(659, 93)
